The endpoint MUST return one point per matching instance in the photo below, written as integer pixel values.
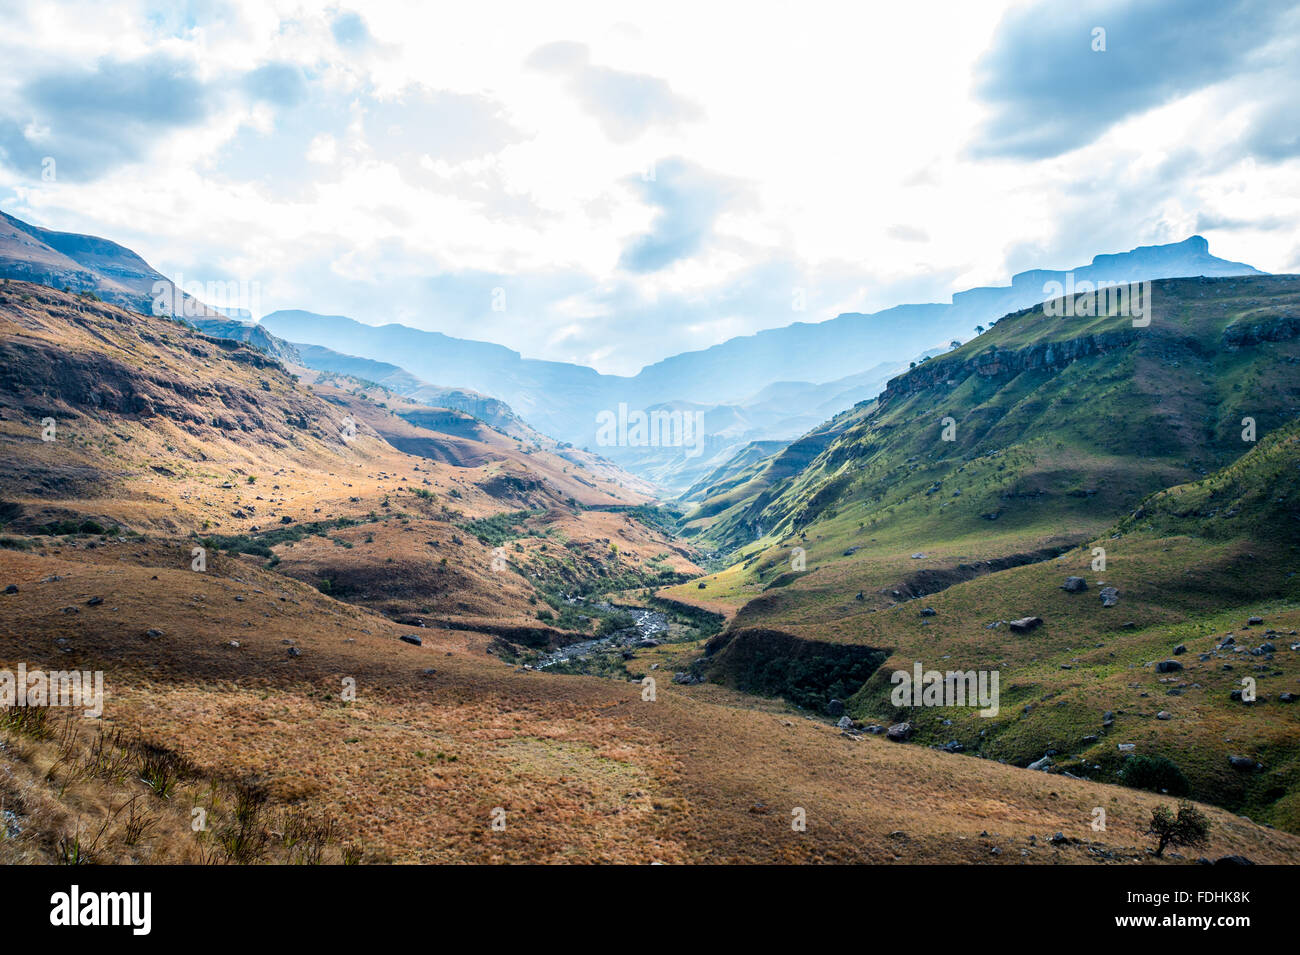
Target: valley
(353, 626)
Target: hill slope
(240, 675)
(1068, 435)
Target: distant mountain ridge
(774, 385)
(563, 400)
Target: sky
(611, 183)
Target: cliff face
(1005, 363)
(1256, 330)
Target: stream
(649, 625)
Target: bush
(1189, 828)
(1156, 774)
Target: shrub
(1156, 774)
(1189, 828)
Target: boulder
(1168, 666)
(835, 708)
(1074, 585)
(1025, 624)
(1041, 765)
(1109, 596)
(899, 732)
(412, 639)
(1244, 764)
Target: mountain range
(775, 385)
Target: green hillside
(1069, 435)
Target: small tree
(1189, 828)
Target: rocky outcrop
(1006, 363)
(1259, 329)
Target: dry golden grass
(584, 769)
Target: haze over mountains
(772, 386)
(812, 366)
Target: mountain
(248, 332)
(726, 382)
(347, 674)
(771, 386)
(1161, 460)
(87, 264)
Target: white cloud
(405, 159)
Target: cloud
(625, 104)
(280, 84)
(350, 31)
(91, 121)
(907, 233)
(437, 123)
(1051, 92)
(689, 200)
(1209, 222)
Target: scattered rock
(1254, 621)
(1041, 765)
(1232, 860)
(412, 639)
(94, 601)
(1180, 649)
(928, 611)
(1164, 715)
(918, 556)
(1025, 624)
(1074, 585)
(845, 723)
(1244, 764)
(153, 632)
(899, 732)
(1109, 596)
(1059, 839)
(11, 589)
(1168, 666)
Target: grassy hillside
(331, 686)
(1068, 435)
